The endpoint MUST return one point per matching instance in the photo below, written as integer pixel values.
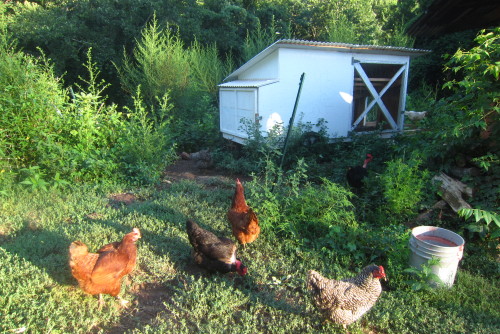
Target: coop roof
(247, 83)
(337, 47)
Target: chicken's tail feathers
(252, 216)
(193, 230)
(191, 225)
(314, 280)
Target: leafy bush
(403, 185)
(159, 65)
(424, 278)
(162, 65)
(259, 39)
(30, 101)
(49, 139)
(317, 208)
(145, 149)
(207, 69)
(198, 127)
(273, 191)
(291, 206)
(486, 223)
(467, 120)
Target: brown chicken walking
(243, 219)
(102, 272)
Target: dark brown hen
(345, 301)
(212, 252)
(101, 272)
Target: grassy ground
(170, 295)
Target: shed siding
(328, 79)
(265, 69)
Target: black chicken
(213, 253)
(355, 175)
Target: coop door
(378, 95)
(237, 106)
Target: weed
(424, 278)
(34, 178)
(403, 184)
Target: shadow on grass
(46, 250)
(154, 298)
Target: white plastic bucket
(427, 242)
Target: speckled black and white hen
(345, 301)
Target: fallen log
(452, 191)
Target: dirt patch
(118, 200)
(150, 300)
(190, 170)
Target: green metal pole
(290, 125)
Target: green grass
(170, 295)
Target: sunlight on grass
(38, 292)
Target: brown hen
(243, 219)
(101, 272)
(345, 301)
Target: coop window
(377, 95)
(237, 105)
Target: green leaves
(483, 220)
(403, 184)
(424, 278)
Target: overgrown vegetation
(56, 133)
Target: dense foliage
(64, 30)
(54, 133)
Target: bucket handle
(460, 252)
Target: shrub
(319, 207)
(82, 148)
(207, 68)
(486, 222)
(403, 185)
(30, 100)
(467, 120)
(259, 39)
(48, 139)
(145, 149)
(295, 207)
(162, 65)
(159, 65)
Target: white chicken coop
(352, 87)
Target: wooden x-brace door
(377, 97)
